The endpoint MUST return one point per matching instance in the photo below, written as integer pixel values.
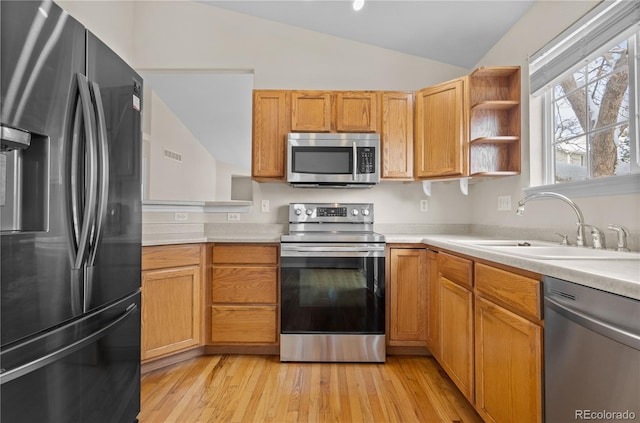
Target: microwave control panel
(366, 160)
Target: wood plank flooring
(237, 388)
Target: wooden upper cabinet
(270, 129)
(310, 111)
(441, 131)
(356, 111)
(397, 136)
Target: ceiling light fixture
(358, 4)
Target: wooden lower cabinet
(433, 304)
(243, 324)
(171, 300)
(508, 365)
(456, 335)
(243, 294)
(490, 336)
(408, 297)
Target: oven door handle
(332, 251)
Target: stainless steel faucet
(597, 236)
(623, 233)
(580, 240)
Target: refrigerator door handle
(91, 174)
(103, 174)
(16, 372)
(102, 194)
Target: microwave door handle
(355, 162)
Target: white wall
(193, 179)
(191, 35)
(543, 22)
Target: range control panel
(331, 212)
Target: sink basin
(560, 252)
(543, 250)
(503, 242)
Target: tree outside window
(591, 112)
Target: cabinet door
(456, 335)
(310, 111)
(433, 304)
(441, 131)
(171, 310)
(407, 319)
(508, 365)
(397, 135)
(356, 111)
(270, 129)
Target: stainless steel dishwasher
(592, 354)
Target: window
(589, 79)
(590, 131)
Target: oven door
(332, 288)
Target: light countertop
(617, 276)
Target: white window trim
(612, 185)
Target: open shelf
(494, 121)
(502, 139)
(496, 105)
(494, 174)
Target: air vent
(562, 294)
(172, 155)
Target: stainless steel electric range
(332, 285)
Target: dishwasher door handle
(603, 328)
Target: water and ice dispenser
(24, 181)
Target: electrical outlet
(180, 217)
(424, 205)
(265, 206)
(504, 202)
(233, 217)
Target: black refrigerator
(70, 211)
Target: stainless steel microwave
(330, 160)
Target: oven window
(332, 295)
(322, 160)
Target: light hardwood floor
(237, 388)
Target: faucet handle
(623, 233)
(597, 235)
(565, 239)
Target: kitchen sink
(561, 252)
(541, 250)
(503, 242)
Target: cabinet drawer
(456, 269)
(244, 254)
(244, 285)
(519, 292)
(163, 257)
(243, 324)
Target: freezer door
(88, 371)
(42, 50)
(114, 266)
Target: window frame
(609, 185)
